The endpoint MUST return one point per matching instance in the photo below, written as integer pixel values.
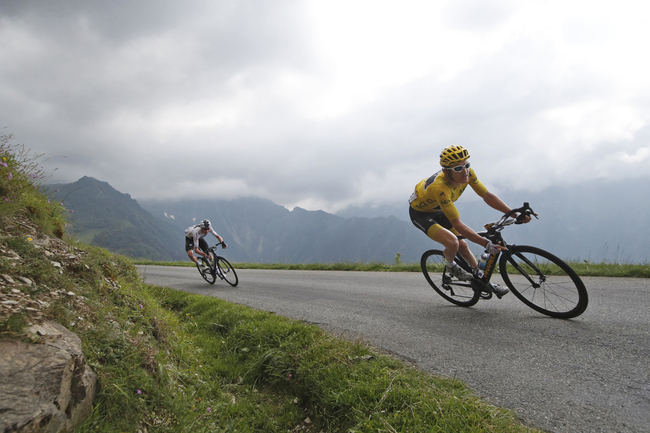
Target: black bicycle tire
(570, 294)
(227, 272)
(437, 285)
(208, 275)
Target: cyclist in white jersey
(194, 242)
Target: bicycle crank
(484, 290)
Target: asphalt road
(589, 374)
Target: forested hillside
(103, 216)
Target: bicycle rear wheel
(543, 282)
(206, 271)
(453, 290)
(227, 271)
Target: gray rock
(8, 279)
(45, 387)
(25, 280)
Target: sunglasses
(460, 168)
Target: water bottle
(482, 261)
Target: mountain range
(256, 230)
(575, 223)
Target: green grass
(174, 361)
(341, 266)
(20, 180)
(584, 268)
(631, 270)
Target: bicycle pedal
(498, 290)
(481, 289)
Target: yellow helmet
(453, 155)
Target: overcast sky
(324, 104)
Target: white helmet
(205, 224)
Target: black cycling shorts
(425, 220)
(189, 244)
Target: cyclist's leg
(456, 245)
(452, 245)
(189, 248)
(437, 227)
(467, 254)
(203, 245)
(448, 239)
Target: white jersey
(196, 234)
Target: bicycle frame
(481, 285)
(493, 234)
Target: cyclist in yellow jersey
(433, 211)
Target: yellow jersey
(437, 194)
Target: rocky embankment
(45, 383)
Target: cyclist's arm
(495, 202)
(216, 235)
(491, 199)
(198, 250)
(468, 233)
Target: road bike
(538, 278)
(217, 267)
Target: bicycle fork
(540, 274)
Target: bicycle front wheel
(227, 271)
(455, 291)
(206, 271)
(543, 282)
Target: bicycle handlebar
(505, 220)
(212, 248)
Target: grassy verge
(341, 266)
(631, 270)
(584, 268)
(20, 179)
(174, 361)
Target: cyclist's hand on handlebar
(494, 248)
(223, 244)
(524, 218)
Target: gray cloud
(167, 99)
